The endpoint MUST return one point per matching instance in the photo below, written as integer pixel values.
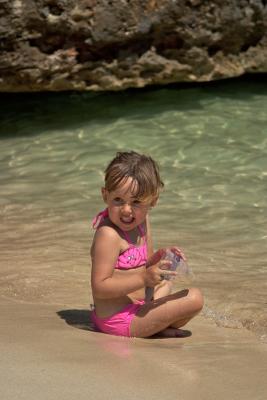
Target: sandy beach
(50, 352)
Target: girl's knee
(196, 298)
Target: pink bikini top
(134, 256)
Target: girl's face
(125, 210)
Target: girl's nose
(127, 208)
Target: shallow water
(211, 144)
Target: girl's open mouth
(127, 220)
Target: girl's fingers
(165, 264)
(158, 257)
(165, 273)
(178, 251)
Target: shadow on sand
(80, 319)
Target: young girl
(123, 263)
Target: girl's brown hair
(144, 171)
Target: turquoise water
(211, 144)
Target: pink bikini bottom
(119, 323)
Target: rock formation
(52, 45)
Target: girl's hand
(157, 268)
(178, 252)
(156, 273)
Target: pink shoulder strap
(99, 218)
(141, 230)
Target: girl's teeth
(127, 220)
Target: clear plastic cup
(179, 265)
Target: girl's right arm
(105, 252)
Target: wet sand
(49, 351)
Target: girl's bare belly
(107, 307)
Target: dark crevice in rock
(239, 41)
(167, 46)
(252, 42)
(6, 45)
(55, 10)
(168, 43)
(213, 50)
(55, 7)
(111, 51)
(170, 46)
(48, 44)
(226, 49)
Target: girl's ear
(104, 194)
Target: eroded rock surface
(113, 45)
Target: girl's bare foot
(172, 333)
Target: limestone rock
(52, 45)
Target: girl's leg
(174, 310)
(163, 289)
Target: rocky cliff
(116, 44)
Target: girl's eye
(117, 200)
(137, 203)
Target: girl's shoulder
(109, 233)
(107, 230)
(105, 237)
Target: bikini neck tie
(99, 218)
